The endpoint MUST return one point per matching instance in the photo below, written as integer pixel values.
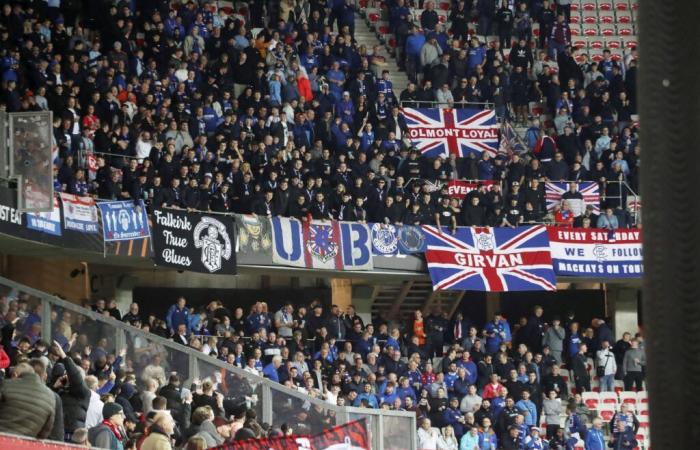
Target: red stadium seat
(625, 31)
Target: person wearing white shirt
(606, 367)
(284, 321)
(428, 437)
(93, 416)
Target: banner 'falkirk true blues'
(490, 259)
(442, 132)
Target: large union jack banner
(554, 190)
(441, 132)
(490, 259)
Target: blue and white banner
(46, 222)
(596, 253)
(326, 245)
(396, 240)
(385, 239)
(80, 213)
(124, 220)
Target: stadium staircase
(398, 301)
(596, 25)
(369, 35)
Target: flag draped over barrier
(490, 259)
(351, 436)
(448, 131)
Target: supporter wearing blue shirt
(486, 168)
(271, 370)
(414, 44)
(487, 438)
(476, 54)
(497, 404)
(389, 395)
(366, 138)
(461, 384)
(345, 108)
(405, 390)
(451, 377)
(363, 346)
(595, 440)
(534, 441)
(368, 396)
(497, 331)
(574, 341)
(470, 368)
(453, 416)
(336, 80)
(527, 409)
(177, 314)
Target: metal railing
(148, 353)
(437, 104)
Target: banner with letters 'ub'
(328, 245)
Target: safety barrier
(274, 403)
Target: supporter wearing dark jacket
(74, 393)
(27, 406)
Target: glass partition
(92, 335)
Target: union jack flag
(490, 259)
(441, 132)
(554, 190)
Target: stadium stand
(290, 109)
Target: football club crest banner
(396, 240)
(460, 188)
(124, 220)
(411, 239)
(46, 222)
(254, 235)
(327, 245)
(447, 131)
(194, 241)
(601, 253)
(556, 191)
(80, 213)
(489, 259)
(385, 239)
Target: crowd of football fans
(487, 384)
(278, 111)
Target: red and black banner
(351, 436)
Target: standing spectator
(27, 406)
(564, 8)
(504, 17)
(428, 437)
(606, 367)
(429, 17)
(552, 410)
(554, 339)
(633, 367)
(110, 433)
(624, 439)
(159, 433)
(595, 439)
(560, 37)
(580, 368)
(177, 315)
(75, 395)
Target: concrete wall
(49, 275)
